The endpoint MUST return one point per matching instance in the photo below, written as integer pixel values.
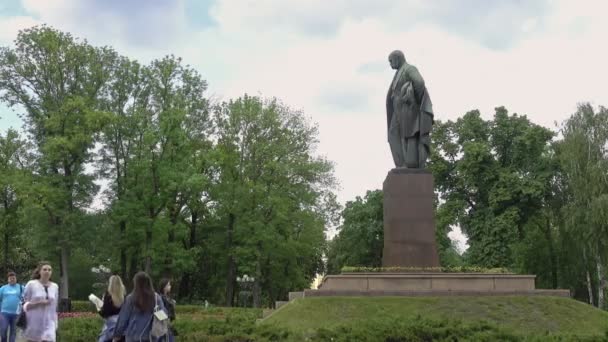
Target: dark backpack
(22, 319)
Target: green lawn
(381, 319)
(518, 315)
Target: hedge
(240, 326)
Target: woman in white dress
(40, 306)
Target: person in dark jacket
(112, 302)
(164, 289)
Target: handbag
(160, 321)
(22, 319)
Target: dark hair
(143, 292)
(162, 284)
(11, 274)
(36, 273)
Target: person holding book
(110, 308)
(10, 307)
(40, 305)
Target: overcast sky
(329, 58)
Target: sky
(330, 58)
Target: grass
(523, 316)
(382, 319)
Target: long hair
(143, 292)
(162, 284)
(36, 273)
(116, 289)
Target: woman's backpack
(160, 321)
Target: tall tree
(492, 177)
(58, 80)
(583, 156)
(14, 168)
(126, 92)
(273, 193)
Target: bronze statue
(409, 114)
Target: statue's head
(396, 59)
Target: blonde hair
(117, 290)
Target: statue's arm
(418, 83)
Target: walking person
(40, 297)
(113, 300)
(164, 289)
(137, 312)
(10, 307)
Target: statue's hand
(407, 93)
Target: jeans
(8, 321)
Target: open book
(95, 300)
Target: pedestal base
(409, 220)
(430, 284)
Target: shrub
(83, 306)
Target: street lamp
(245, 284)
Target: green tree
(273, 196)
(360, 238)
(126, 92)
(58, 81)
(493, 177)
(583, 156)
(15, 166)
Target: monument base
(430, 284)
(409, 219)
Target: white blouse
(41, 319)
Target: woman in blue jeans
(10, 307)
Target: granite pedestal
(409, 219)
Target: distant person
(136, 313)
(10, 307)
(164, 289)
(40, 305)
(112, 302)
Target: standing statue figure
(409, 114)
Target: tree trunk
(552, 255)
(148, 251)
(601, 281)
(256, 284)
(184, 286)
(231, 267)
(589, 288)
(193, 229)
(123, 250)
(6, 244)
(589, 283)
(133, 268)
(63, 269)
(168, 272)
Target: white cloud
(9, 27)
